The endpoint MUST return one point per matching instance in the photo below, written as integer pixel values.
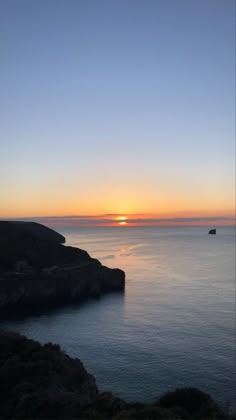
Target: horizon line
(112, 220)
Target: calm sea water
(173, 327)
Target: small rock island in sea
(212, 232)
(38, 271)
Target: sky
(117, 107)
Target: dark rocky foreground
(38, 272)
(42, 382)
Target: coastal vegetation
(42, 382)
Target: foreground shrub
(197, 404)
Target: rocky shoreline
(41, 381)
(37, 271)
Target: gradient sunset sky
(117, 107)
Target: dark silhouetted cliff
(38, 271)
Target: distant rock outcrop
(37, 271)
(212, 232)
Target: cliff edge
(37, 271)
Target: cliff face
(37, 271)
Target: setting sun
(122, 223)
(122, 220)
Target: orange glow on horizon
(135, 222)
(185, 217)
(122, 223)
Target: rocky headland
(37, 271)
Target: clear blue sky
(116, 106)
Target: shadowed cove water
(173, 327)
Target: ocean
(173, 327)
